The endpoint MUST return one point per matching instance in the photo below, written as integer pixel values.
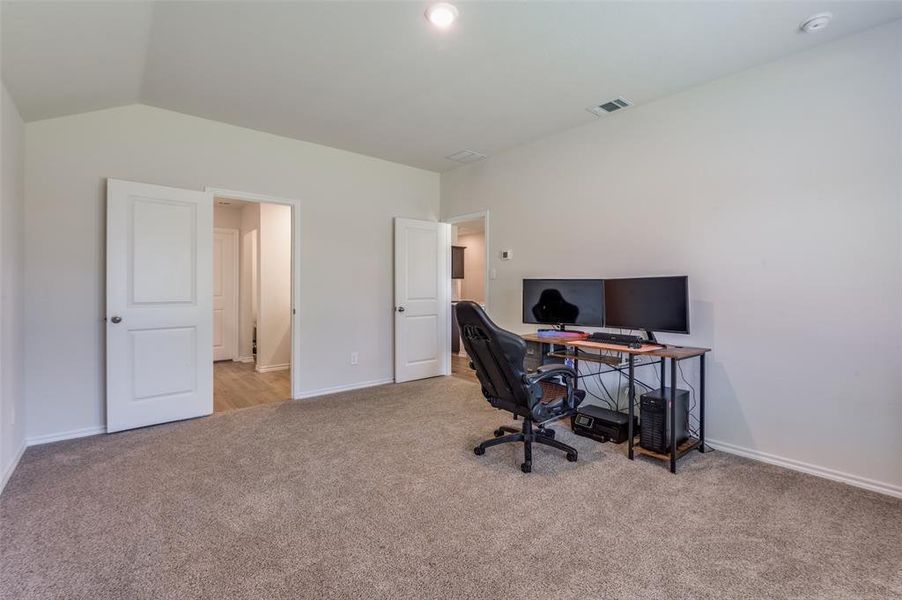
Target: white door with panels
(159, 310)
(422, 299)
(225, 294)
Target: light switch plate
(507, 254)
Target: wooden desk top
(534, 337)
(668, 351)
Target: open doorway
(469, 278)
(252, 303)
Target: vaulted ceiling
(376, 78)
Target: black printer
(602, 424)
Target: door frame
(235, 234)
(475, 216)
(295, 205)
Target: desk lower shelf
(682, 450)
(595, 358)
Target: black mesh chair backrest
(497, 355)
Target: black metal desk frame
(675, 452)
(662, 356)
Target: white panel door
(159, 364)
(225, 294)
(422, 299)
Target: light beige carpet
(377, 494)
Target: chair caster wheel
(571, 457)
(478, 450)
(526, 467)
(549, 433)
(498, 432)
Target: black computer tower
(654, 419)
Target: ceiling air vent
(466, 156)
(609, 106)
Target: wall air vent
(466, 156)
(609, 106)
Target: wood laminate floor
(238, 385)
(460, 367)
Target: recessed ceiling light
(442, 15)
(816, 23)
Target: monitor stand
(562, 328)
(650, 336)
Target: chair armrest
(548, 371)
(545, 372)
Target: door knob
(116, 319)
(400, 309)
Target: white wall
(274, 268)
(12, 189)
(777, 191)
(472, 286)
(345, 241)
(226, 217)
(248, 294)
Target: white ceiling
(374, 78)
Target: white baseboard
(271, 368)
(796, 465)
(12, 466)
(245, 359)
(65, 435)
(343, 388)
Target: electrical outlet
(353, 358)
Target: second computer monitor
(649, 303)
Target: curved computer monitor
(564, 302)
(649, 303)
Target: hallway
(238, 385)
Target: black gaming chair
(546, 395)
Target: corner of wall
(10, 465)
(12, 201)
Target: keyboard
(633, 341)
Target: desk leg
(663, 373)
(576, 368)
(701, 403)
(673, 443)
(632, 401)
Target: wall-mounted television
(564, 302)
